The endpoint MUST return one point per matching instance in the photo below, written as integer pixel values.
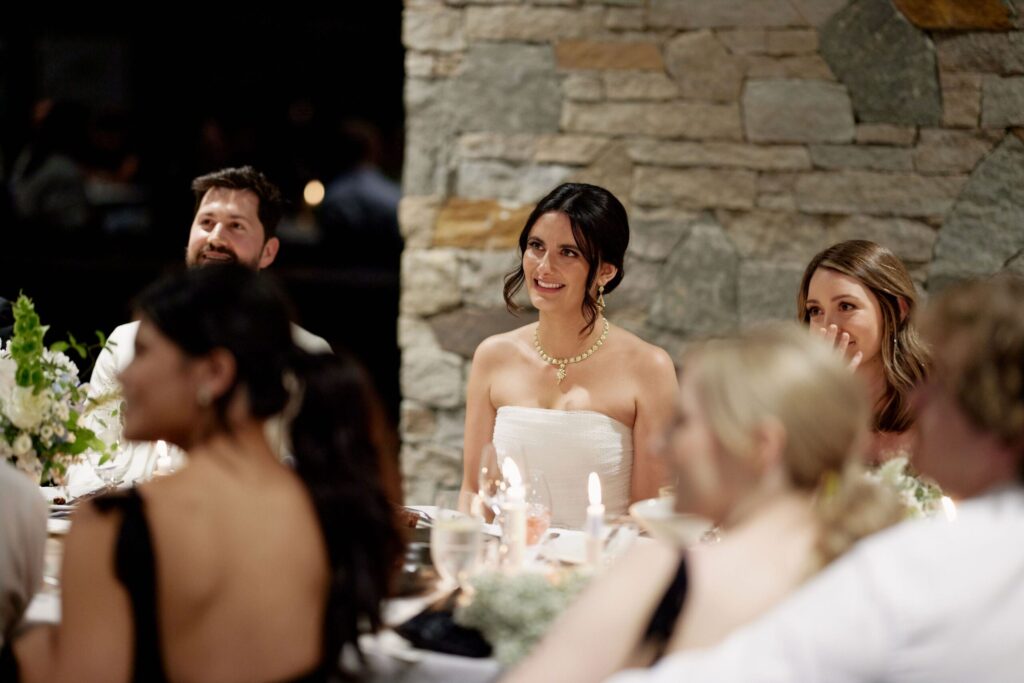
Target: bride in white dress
(572, 392)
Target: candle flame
(511, 472)
(594, 489)
(949, 508)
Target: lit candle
(595, 520)
(514, 530)
(163, 459)
(949, 508)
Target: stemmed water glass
(110, 470)
(456, 537)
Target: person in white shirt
(22, 542)
(237, 212)
(939, 600)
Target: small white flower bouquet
(41, 401)
(514, 611)
(920, 497)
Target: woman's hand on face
(840, 342)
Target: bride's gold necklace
(562, 362)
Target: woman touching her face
(859, 296)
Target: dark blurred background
(106, 119)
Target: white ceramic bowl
(658, 518)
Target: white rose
(71, 437)
(46, 432)
(25, 410)
(22, 445)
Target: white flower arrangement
(920, 497)
(41, 401)
(514, 611)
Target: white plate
(58, 526)
(569, 546)
(658, 518)
(431, 512)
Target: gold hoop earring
(204, 397)
(600, 297)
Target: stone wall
(743, 136)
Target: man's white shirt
(929, 600)
(113, 359)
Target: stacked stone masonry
(742, 136)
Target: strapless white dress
(567, 445)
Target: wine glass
(490, 480)
(538, 507)
(456, 537)
(111, 468)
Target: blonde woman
(765, 443)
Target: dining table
(388, 656)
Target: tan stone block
(893, 194)
(947, 15)
(416, 218)
(417, 422)
(952, 151)
(980, 52)
(625, 18)
(534, 24)
(583, 87)
(429, 281)
(885, 134)
(961, 108)
(479, 223)
(777, 183)
(911, 240)
(703, 68)
(511, 147)
(798, 111)
(781, 235)
(791, 42)
(414, 331)
(432, 377)
(799, 66)
(961, 99)
(722, 13)
(639, 85)
(743, 41)
(586, 54)
(447, 64)
(432, 65)
(720, 154)
(695, 188)
(867, 157)
(419, 64)
(435, 28)
(481, 280)
(612, 170)
(952, 80)
(776, 202)
(569, 149)
(692, 120)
